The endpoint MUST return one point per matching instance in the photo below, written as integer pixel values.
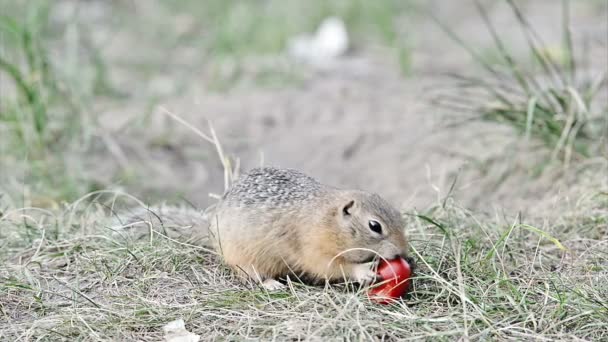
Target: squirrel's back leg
(251, 262)
(241, 239)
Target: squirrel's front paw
(363, 273)
(272, 285)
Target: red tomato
(394, 281)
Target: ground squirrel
(273, 223)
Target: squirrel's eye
(375, 226)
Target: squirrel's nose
(395, 256)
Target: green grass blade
(544, 234)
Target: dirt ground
(359, 124)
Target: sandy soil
(361, 124)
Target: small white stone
(331, 40)
(329, 43)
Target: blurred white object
(329, 43)
(176, 332)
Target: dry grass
(64, 277)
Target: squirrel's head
(371, 227)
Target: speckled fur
(273, 188)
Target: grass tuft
(555, 103)
(46, 82)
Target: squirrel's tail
(184, 224)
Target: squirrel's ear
(347, 209)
